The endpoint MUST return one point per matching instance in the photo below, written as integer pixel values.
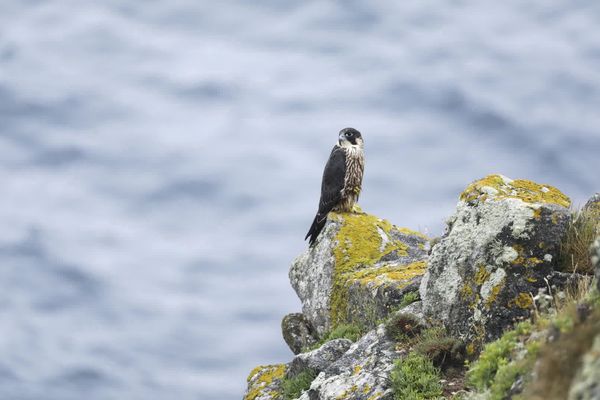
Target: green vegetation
(415, 378)
(558, 337)
(408, 299)
(346, 331)
(567, 351)
(575, 249)
(293, 387)
(495, 355)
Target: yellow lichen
(468, 294)
(481, 275)
(498, 187)
(523, 300)
(532, 262)
(410, 232)
(470, 349)
(261, 377)
(348, 394)
(359, 247)
(387, 273)
(357, 369)
(494, 294)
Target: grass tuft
(402, 326)
(575, 248)
(292, 388)
(444, 351)
(415, 378)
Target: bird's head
(350, 137)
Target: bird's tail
(316, 228)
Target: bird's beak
(341, 138)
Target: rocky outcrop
(499, 248)
(360, 374)
(360, 268)
(593, 204)
(497, 261)
(264, 382)
(297, 332)
(320, 359)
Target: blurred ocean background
(160, 163)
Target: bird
(342, 179)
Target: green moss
(508, 373)
(415, 378)
(494, 356)
(497, 187)
(263, 376)
(359, 246)
(408, 299)
(292, 388)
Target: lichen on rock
(319, 359)
(362, 373)
(297, 332)
(499, 247)
(593, 205)
(358, 271)
(264, 382)
(498, 187)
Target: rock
(297, 332)
(499, 246)
(595, 250)
(362, 373)
(264, 383)
(586, 385)
(359, 269)
(319, 359)
(593, 204)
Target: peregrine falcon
(342, 179)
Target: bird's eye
(348, 134)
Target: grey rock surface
(297, 332)
(358, 271)
(593, 204)
(500, 246)
(362, 373)
(318, 360)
